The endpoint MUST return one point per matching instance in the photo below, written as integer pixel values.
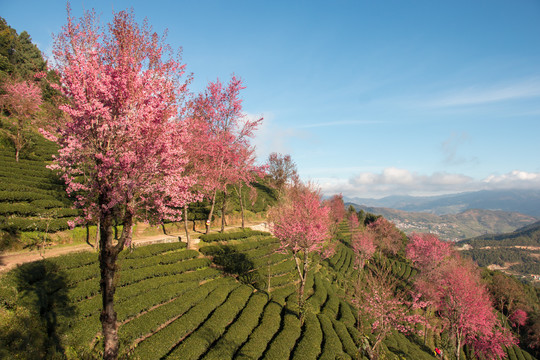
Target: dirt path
(10, 260)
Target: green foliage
(32, 197)
(238, 332)
(261, 336)
(169, 337)
(332, 346)
(243, 234)
(198, 342)
(150, 321)
(309, 345)
(18, 55)
(283, 343)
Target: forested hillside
(515, 253)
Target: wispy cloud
(476, 95)
(395, 181)
(450, 149)
(270, 137)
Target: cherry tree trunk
(241, 205)
(223, 210)
(19, 141)
(302, 268)
(211, 212)
(458, 347)
(107, 263)
(188, 239)
(98, 232)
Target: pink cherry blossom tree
(353, 221)
(387, 308)
(518, 318)
(301, 223)
(22, 99)
(121, 153)
(226, 131)
(427, 251)
(454, 287)
(246, 172)
(363, 246)
(387, 237)
(337, 211)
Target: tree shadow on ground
(237, 264)
(37, 295)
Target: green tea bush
(48, 204)
(280, 293)
(309, 345)
(151, 250)
(332, 344)
(150, 321)
(74, 260)
(16, 196)
(160, 343)
(84, 290)
(511, 353)
(139, 287)
(134, 305)
(139, 274)
(238, 332)
(21, 209)
(243, 234)
(82, 273)
(261, 336)
(283, 343)
(277, 281)
(345, 314)
(284, 267)
(270, 257)
(319, 296)
(346, 341)
(165, 259)
(200, 340)
(331, 305)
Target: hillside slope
(512, 200)
(453, 227)
(236, 302)
(32, 197)
(516, 253)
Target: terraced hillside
(233, 299)
(32, 197)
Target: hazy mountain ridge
(516, 200)
(453, 227)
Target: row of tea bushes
(32, 197)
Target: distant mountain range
(523, 201)
(453, 227)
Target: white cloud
(395, 181)
(516, 178)
(271, 138)
(475, 95)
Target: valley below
(454, 227)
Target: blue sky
(369, 98)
